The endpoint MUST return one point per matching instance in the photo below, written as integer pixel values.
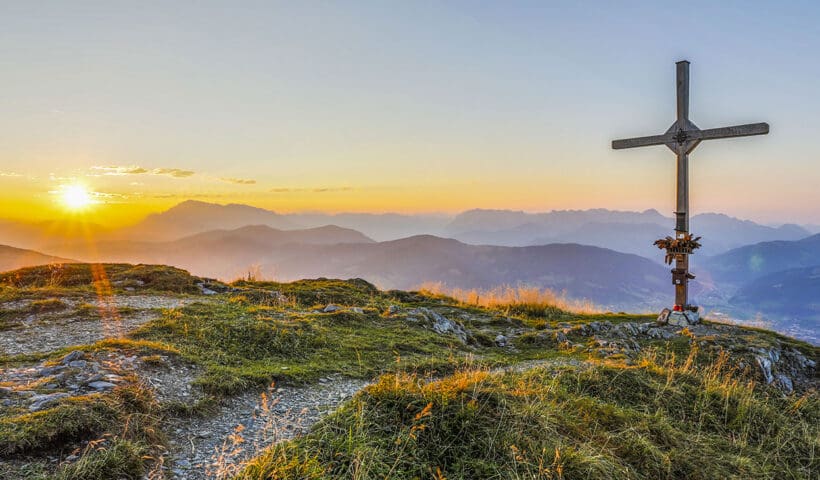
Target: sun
(76, 197)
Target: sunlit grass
(515, 299)
(658, 419)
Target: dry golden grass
(509, 296)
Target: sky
(403, 106)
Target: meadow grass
(656, 420)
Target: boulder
(683, 319)
(443, 325)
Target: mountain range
(606, 277)
(627, 232)
(600, 255)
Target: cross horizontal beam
(736, 131)
(682, 136)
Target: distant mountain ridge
(754, 261)
(629, 232)
(12, 258)
(604, 276)
(192, 216)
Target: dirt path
(217, 445)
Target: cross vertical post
(682, 207)
(682, 137)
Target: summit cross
(682, 137)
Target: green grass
(318, 293)
(108, 276)
(652, 421)
(243, 345)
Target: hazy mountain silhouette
(609, 278)
(794, 292)
(631, 232)
(379, 226)
(741, 265)
(790, 299)
(191, 217)
(12, 258)
(40, 235)
(223, 253)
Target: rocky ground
(112, 317)
(203, 446)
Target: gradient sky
(404, 106)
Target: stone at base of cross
(682, 318)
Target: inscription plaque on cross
(682, 137)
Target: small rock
(443, 325)
(100, 385)
(785, 383)
(75, 355)
(42, 401)
(663, 318)
(357, 310)
(331, 308)
(501, 340)
(46, 371)
(77, 364)
(659, 333)
(560, 337)
(393, 310)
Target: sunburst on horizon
(76, 197)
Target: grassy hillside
(605, 421)
(522, 390)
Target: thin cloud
(312, 190)
(332, 189)
(238, 181)
(120, 170)
(188, 196)
(173, 172)
(10, 174)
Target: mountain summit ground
(133, 371)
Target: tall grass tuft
(521, 300)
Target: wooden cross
(682, 137)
